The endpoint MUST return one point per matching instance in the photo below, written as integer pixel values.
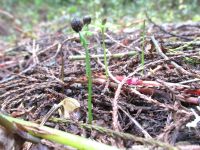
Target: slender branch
(118, 55)
(178, 67)
(146, 134)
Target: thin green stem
(89, 77)
(143, 42)
(104, 50)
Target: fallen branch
(119, 55)
(146, 134)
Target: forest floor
(158, 100)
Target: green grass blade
(89, 77)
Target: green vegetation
(49, 20)
(53, 15)
(103, 28)
(118, 10)
(77, 26)
(143, 45)
(89, 76)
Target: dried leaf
(69, 105)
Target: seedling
(77, 26)
(87, 20)
(143, 42)
(103, 28)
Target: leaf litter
(157, 100)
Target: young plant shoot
(77, 26)
(143, 42)
(103, 28)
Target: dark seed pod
(86, 20)
(76, 24)
(104, 21)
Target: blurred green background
(29, 13)
(165, 10)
